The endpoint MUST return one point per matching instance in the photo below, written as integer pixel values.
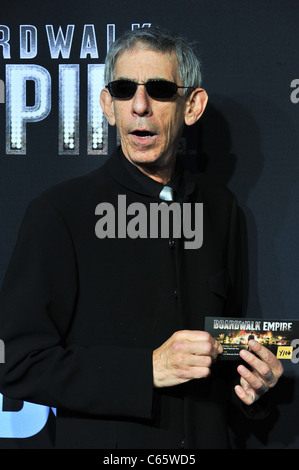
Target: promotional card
(234, 334)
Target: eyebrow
(151, 78)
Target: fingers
(185, 356)
(268, 358)
(266, 365)
(198, 343)
(251, 386)
(265, 371)
(245, 394)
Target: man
(109, 328)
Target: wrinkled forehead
(141, 58)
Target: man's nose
(141, 102)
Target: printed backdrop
(52, 128)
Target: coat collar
(183, 181)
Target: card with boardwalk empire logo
(234, 334)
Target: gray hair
(161, 40)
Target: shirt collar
(152, 186)
(131, 177)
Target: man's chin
(146, 158)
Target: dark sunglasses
(156, 89)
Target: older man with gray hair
(110, 330)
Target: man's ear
(195, 106)
(107, 106)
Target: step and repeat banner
(52, 128)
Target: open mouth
(143, 134)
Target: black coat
(80, 316)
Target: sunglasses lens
(157, 89)
(122, 89)
(161, 89)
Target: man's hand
(186, 355)
(264, 374)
